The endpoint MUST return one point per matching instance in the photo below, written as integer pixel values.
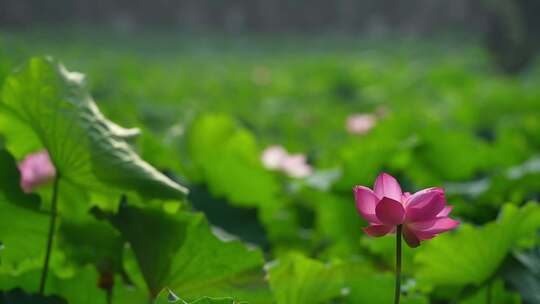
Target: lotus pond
(163, 168)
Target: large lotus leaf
(496, 292)
(365, 284)
(282, 224)
(181, 252)
(51, 105)
(241, 222)
(472, 255)
(23, 234)
(226, 158)
(383, 249)
(296, 279)
(378, 288)
(80, 288)
(92, 242)
(11, 189)
(167, 296)
(465, 152)
(337, 222)
(522, 272)
(207, 300)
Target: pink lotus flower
(36, 170)
(360, 123)
(296, 165)
(278, 159)
(423, 215)
(273, 157)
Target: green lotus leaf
(51, 107)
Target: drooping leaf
(481, 250)
(296, 279)
(52, 107)
(181, 252)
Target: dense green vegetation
(207, 107)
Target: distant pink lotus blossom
(36, 170)
(296, 166)
(423, 215)
(261, 76)
(360, 123)
(278, 159)
(273, 157)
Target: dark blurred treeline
(249, 15)
(511, 28)
(512, 32)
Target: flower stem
(398, 265)
(50, 237)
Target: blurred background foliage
(211, 84)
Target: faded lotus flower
(296, 166)
(423, 215)
(360, 123)
(278, 159)
(36, 170)
(273, 157)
